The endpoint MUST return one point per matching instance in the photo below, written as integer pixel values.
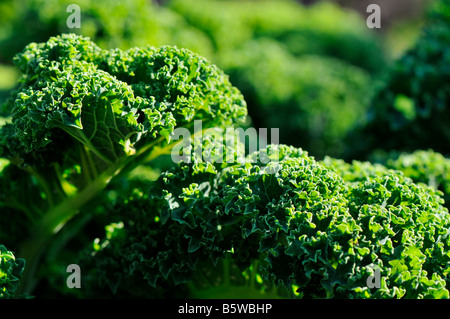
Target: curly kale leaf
(400, 217)
(110, 100)
(157, 239)
(425, 167)
(11, 269)
(294, 223)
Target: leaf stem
(84, 165)
(34, 247)
(33, 172)
(51, 223)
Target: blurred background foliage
(313, 69)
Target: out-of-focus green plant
(8, 79)
(309, 71)
(315, 101)
(323, 28)
(411, 110)
(110, 23)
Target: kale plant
(82, 116)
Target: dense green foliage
(292, 227)
(88, 138)
(427, 167)
(423, 167)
